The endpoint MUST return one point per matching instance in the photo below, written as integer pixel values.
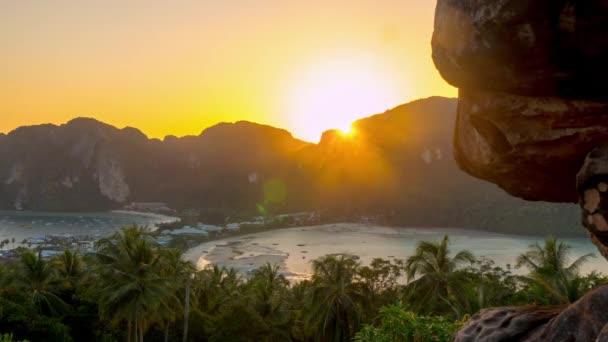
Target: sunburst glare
(333, 93)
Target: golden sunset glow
(179, 67)
(348, 131)
(333, 92)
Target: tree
(133, 285)
(269, 288)
(395, 323)
(9, 338)
(487, 285)
(34, 276)
(68, 269)
(215, 286)
(551, 279)
(432, 278)
(380, 281)
(335, 301)
(174, 267)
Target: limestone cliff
(89, 165)
(398, 164)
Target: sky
(177, 67)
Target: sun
(346, 131)
(333, 93)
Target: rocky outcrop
(112, 180)
(532, 99)
(541, 48)
(585, 320)
(532, 147)
(592, 183)
(506, 324)
(533, 119)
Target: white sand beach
(293, 248)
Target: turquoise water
(22, 225)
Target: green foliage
(138, 279)
(397, 324)
(434, 280)
(134, 287)
(34, 277)
(9, 338)
(335, 302)
(380, 283)
(551, 280)
(483, 284)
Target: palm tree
(69, 269)
(270, 290)
(268, 286)
(433, 279)
(215, 286)
(186, 312)
(334, 301)
(550, 272)
(133, 286)
(181, 271)
(219, 295)
(34, 276)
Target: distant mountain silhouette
(397, 164)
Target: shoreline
(241, 233)
(292, 248)
(166, 218)
(36, 227)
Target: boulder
(585, 320)
(505, 324)
(532, 99)
(534, 48)
(532, 147)
(533, 119)
(592, 184)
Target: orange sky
(176, 67)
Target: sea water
(298, 246)
(22, 225)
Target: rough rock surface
(532, 96)
(530, 146)
(585, 320)
(592, 183)
(533, 48)
(533, 119)
(505, 324)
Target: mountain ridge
(397, 165)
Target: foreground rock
(592, 183)
(532, 147)
(533, 119)
(585, 320)
(533, 48)
(532, 96)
